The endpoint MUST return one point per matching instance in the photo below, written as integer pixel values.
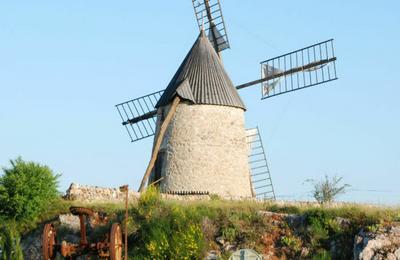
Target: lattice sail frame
(209, 17)
(306, 67)
(139, 116)
(259, 170)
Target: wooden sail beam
(140, 118)
(288, 72)
(212, 25)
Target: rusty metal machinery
(108, 248)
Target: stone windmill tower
(204, 148)
(200, 142)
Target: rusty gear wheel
(116, 242)
(49, 242)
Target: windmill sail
(210, 19)
(310, 66)
(221, 43)
(303, 68)
(139, 116)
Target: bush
(326, 191)
(292, 242)
(26, 189)
(165, 231)
(318, 227)
(10, 247)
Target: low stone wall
(86, 193)
(89, 194)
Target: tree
(26, 189)
(326, 190)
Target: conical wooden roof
(202, 79)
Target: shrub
(210, 230)
(26, 188)
(322, 255)
(292, 242)
(10, 247)
(327, 190)
(157, 244)
(187, 242)
(318, 226)
(165, 231)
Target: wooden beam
(288, 72)
(212, 25)
(158, 142)
(148, 115)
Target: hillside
(215, 228)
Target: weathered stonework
(84, 193)
(94, 194)
(205, 149)
(384, 243)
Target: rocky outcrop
(295, 221)
(382, 243)
(32, 245)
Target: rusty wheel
(116, 242)
(49, 242)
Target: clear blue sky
(65, 64)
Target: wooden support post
(125, 189)
(158, 141)
(253, 194)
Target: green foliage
(163, 227)
(188, 243)
(324, 227)
(283, 209)
(230, 228)
(149, 199)
(321, 224)
(292, 242)
(322, 255)
(374, 228)
(318, 232)
(26, 189)
(167, 232)
(326, 191)
(215, 197)
(10, 248)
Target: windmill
(200, 143)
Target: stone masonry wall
(206, 150)
(84, 193)
(89, 194)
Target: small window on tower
(162, 115)
(158, 167)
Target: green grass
(188, 229)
